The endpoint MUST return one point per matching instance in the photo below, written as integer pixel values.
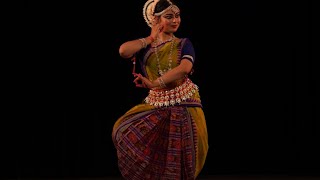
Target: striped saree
(162, 143)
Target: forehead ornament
(148, 11)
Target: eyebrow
(172, 14)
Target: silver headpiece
(148, 10)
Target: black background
(68, 85)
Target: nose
(175, 19)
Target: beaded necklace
(160, 71)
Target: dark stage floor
(226, 177)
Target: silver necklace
(160, 71)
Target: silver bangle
(161, 82)
(144, 42)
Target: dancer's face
(171, 21)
